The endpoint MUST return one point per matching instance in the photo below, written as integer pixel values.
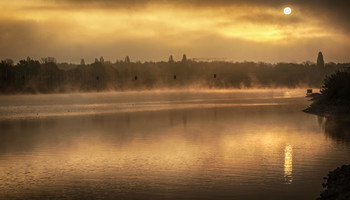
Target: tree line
(48, 76)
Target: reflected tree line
(48, 76)
(336, 127)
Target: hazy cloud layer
(331, 11)
(153, 29)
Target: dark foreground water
(167, 145)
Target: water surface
(251, 144)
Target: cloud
(154, 29)
(19, 37)
(335, 13)
(330, 4)
(332, 13)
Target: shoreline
(328, 110)
(337, 184)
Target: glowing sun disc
(287, 10)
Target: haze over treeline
(47, 76)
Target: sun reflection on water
(288, 164)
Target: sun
(287, 10)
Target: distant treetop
(184, 58)
(127, 59)
(102, 60)
(320, 61)
(48, 60)
(171, 60)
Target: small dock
(310, 93)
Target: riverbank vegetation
(47, 76)
(335, 95)
(337, 184)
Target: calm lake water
(228, 144)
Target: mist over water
(178, 144)
(37, 106)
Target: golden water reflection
(232, 152)
(288, 164)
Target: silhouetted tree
(335, 95)
(184, 58)
(127, 59)
(82, 62)
(8, 62)
(102, 60)
(336, 88)
(320, 61)
(96, 60)
(48, 60)
(171, 60)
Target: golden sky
(154, 29)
